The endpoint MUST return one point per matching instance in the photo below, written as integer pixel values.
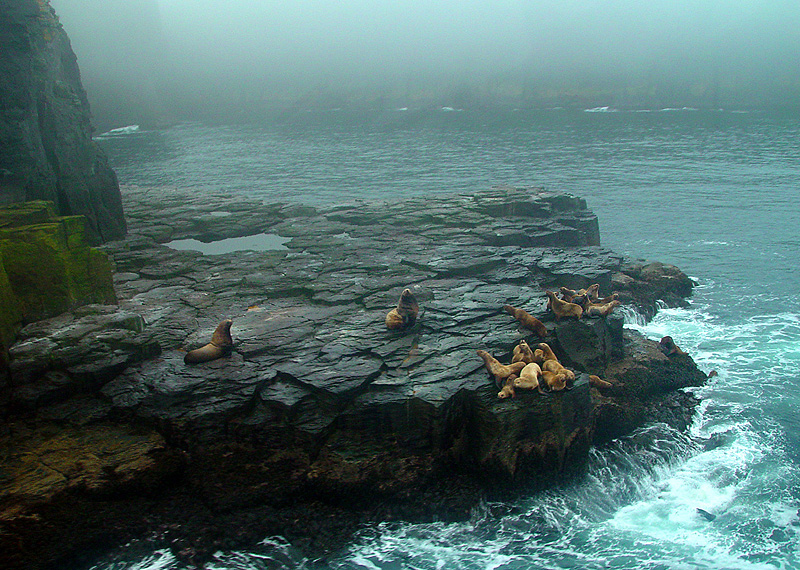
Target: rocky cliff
(45, 130)
(321, 418)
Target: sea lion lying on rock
(499, 371)
(529, 377)
(405, 314)
(527, 320)
(598, 382)
(221, 345)
(554, 381)
(669, 347)
(600, 310)
(562, 308)
(558, 374)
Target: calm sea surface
(712, 192)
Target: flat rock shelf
(321, 419)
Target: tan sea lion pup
(527, 320)
(669, 347)
(529, 377)
(499, 371)
(507, 391)
(598, 310)
(221, 345)
(522, 353)
(405, 314)
(563, 308)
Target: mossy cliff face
(46, 267)
(45, 130)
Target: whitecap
(121, 131)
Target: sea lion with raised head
(221, 345)
(406, 312)
(562, 308)
(529, 377)
(669, 347)
(527, 320)
(522, 353)
(499, 371)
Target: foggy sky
(221, 49)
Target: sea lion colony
(530, 369)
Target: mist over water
(710, 191)
(160, 61)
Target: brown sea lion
(527, 320)
(598, 310)
(221, 345)
(669, 347)
(547, 352)
(604, 300)
(593, 292)
(507, 391)
(499, 371)
(529, 377)
(556, 367)
(598, 382)
(554, 381)
(563, 308)
(522, 353)
(568, 294)
(406, 312)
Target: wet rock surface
(319, 405)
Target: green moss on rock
(51, 269)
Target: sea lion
(547, 352)
(568, 294)
(604, 300)
(551, 363)
(527, 320)
(555, 382)
(507, 391)
(562, 308)
(529, 377)
(522, 353)
(499, 371)
(221, 345)
(598, 382)
(556, 367)
(538, 356)
(669, 347)
(598, 310)
(593, 292)
(406, 312)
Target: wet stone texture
(319, 405)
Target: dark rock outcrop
(321, 408)
(45, 131)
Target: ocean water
(714, 192)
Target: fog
(172, 58)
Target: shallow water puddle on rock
(258, 242)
